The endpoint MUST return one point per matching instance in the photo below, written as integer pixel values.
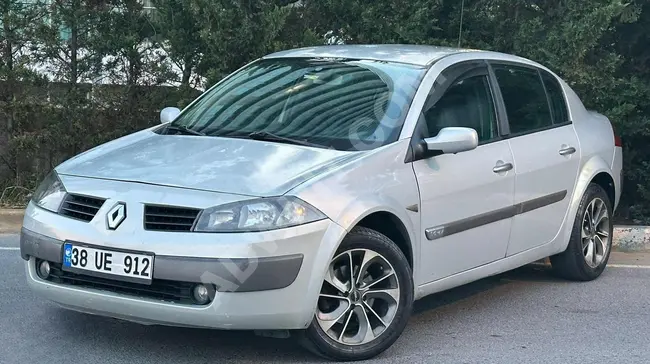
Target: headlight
(257, 215)
(50, 193)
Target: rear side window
(556, 99)
(524, 97)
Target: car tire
(590, 244)
(378, 266)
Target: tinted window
(467, 103)
(556, 99)
(342, 104)
(524, 97)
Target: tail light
(617, 139)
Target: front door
(466, 198)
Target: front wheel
(588, 251)
(365, 301)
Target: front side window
(524, 97)
(340, 104)
(467, 103)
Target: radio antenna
(460, 31)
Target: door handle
(567, 150)
(502, 167)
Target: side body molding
(493, 216)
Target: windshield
(340, 104)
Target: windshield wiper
(183, 129)
(270, 137)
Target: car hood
(237, 166)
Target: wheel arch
(360, 214)
(595, 170)
(392, 227)
(387, 215)
(606, 181)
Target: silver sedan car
(320, 191)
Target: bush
(600, 47)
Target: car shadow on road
(174, 344)
(528, 273)
(182, 345)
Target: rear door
(546, 153)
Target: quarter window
(556, 99)
(467, 103)
(524, 97)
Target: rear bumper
(617, 172)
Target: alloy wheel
(595, 232)
(359, 298)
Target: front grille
(170, 291)
(81, 207)
(169, 218)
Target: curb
(11, 220)
(626, 238)
(631, 238)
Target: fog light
(201, 294)
(44, 269)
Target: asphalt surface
(525, 316)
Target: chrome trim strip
(473, 222)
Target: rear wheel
(365, 301)
(588, 251)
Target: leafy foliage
(75, 73)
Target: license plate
(108, 263)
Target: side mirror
(452, 140)
(168, 114)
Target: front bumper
(227, 275)
(265, 281)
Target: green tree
(67, 39)
(599, 46)
(631, 105)
(125, 39)
(17, 25)
(18, 20)
(67, 47)
(236, 32)
(381, 21)
(178, 33)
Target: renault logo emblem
(116, 215)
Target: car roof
(420, 55)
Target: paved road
(526, 316)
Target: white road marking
(630, 266)
(9, 248)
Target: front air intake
(169, 218)
(79, 207)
